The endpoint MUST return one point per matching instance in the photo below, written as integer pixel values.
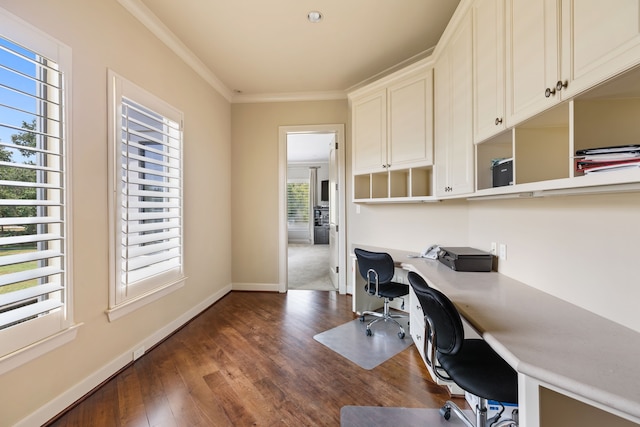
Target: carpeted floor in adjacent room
(309, 267)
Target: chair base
(385, 316)
(481, 415)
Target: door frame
(283, 244)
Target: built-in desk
(556, 347)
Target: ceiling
(309, 147)
(258, 50)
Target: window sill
(130, 306)
(24, 355)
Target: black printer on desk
(465, 259)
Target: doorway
(312, 208)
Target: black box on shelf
(502, 172)
(466, 259)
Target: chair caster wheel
(445, 411)
(368, 332)
(401, 335)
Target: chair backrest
(443, 314)
(380, 262)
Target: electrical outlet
(503, 251)
(138, 353)
(494, 248)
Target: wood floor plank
(251, 360)
(130, 403)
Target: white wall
(583, 249)
(103, 35)
(409, 226)
(255, 184)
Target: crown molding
(153, 24)
(143, 14)
(396, 70)
(454, 23)
(289, 97)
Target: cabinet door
(442, 122)
(411, 121)
(488, 69)
(532, 57)
(369, 116)
(453, 91)
(599, 39)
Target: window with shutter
(298, 210)
(146, 198)
(298, 201)
(35, 285)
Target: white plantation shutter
(298, 201)
(147, 199)
(32, 232)
(34, 204)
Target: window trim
(118, 306)
(25, 34)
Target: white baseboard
(69, 397)
(259, 287)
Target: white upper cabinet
(453, 114)
(532, 43)
(530, 82)
(488, 69)
(369, 121)
(393, 125)
(411, 121)
(559, 48)
(392, 136)
(601, 39)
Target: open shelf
(541, 150)
(498, 147)
(402, 185)
(380, 185)
(399, 183)
(422, 182)
(606, 123)
(362, 186)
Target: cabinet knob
(384, 166)
(550, 91)
(561, 85)
(498, 120)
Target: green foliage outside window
(10, 173)
(7, 192)
(298, 201)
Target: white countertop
(542, 336)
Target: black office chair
(377, 268)
(470, 363)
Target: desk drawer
(418, 335)
(416, 310)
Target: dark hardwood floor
(251, 360)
